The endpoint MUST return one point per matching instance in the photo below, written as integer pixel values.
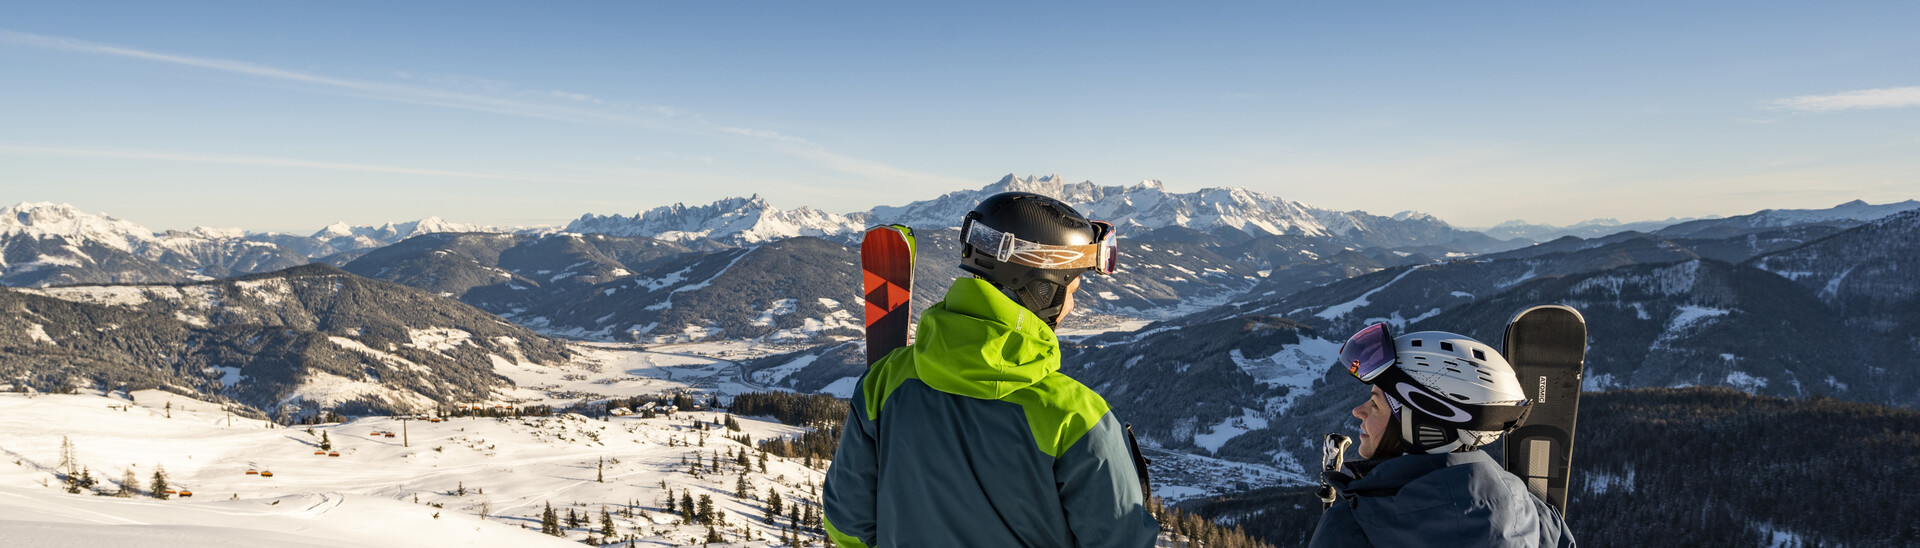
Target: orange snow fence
(266, 474)
(184, 494)
(321, 452)
(253, 472)
(389, 434)
(334, 454)
(434, 420)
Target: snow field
(510, 467)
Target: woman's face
(1373, 415)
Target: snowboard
(886, 271)
(1547, 346)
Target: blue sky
(289, 116)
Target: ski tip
(1546, 307)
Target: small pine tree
(706, 509)
(773, 505)
(606, 523)
(686, 505)
(573, 520)
(550, 522)
(326, 443)
(159, 485)
(743, 488)
(600, 475)
(763, 462)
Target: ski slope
(380, 491)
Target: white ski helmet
(1462, 393)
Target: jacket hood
(979, 343)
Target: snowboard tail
(1547, 346)
(886, 265)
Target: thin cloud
(19, 150)
(1851, 100)
(586, 109)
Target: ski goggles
(1102, 256)
(1368, 352)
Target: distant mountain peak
(47, 219)
(742, 219)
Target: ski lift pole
(1333, 455)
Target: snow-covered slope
(463, 482)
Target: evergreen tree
(606, 523)
(713, 536)
(706, 509)
(763, 461)
(573, 520)
(686, 505)
(773, 505)
(600, 474)
(159, 485)
(550, 522)
(326, 443)
(743, 488)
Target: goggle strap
(1010, 248)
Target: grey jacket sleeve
(851, 488)
(1101, 492)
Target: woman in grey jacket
(1434, 399)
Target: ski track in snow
(1337, 311)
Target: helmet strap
(1043, 297)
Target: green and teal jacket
(972, 437)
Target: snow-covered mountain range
(1592, 228)
(1144, 206)
(43, 243)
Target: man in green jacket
(971, 437)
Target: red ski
(886, 268)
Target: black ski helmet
(998, 245)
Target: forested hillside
(1702, 466)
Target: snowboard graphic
(886, 269)
(1547, 346)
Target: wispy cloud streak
(584, 108)
(1851, 100)
(19, 150)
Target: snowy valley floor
(461, 482)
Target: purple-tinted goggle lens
(1368, 352)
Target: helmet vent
(1478, 355)
(1457, 396)
(1429, 435)
(1416, 342)
(1446, 346)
